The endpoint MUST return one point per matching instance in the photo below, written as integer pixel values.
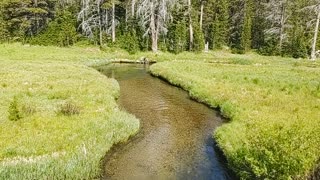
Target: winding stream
(175, 141)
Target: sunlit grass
(274, 109)
(68, 114)
(91, 55)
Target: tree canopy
(271, 27)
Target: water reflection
(175, 141)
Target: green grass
(65, 115)
(273, 105)
(93, 55)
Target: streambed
(175, 140)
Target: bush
(69, 108)
(14, 113)
(237, 51)
(269, 48)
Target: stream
(175, 140)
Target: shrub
(14, 113)
(269, 48)
(69, 108)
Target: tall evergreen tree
(274, 27)
(246, 26)
(296, 45)
(177, 32)
(25, 18)
(220, 23)
(258, 24)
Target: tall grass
(68, 116)
(274, 109)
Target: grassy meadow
(273, 105)
(59, 117)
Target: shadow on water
(175, 141)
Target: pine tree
(177, 37)
(297, 44)
(220, 25)
(178, 32)
(241, 25)
(2, 24)
(60, 32)
(246, 26)
(236, 10)
(198, 43)
(258, 24)
(25, 18)
(273, 27)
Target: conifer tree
(258, 24)
(177, 37)
(220, 24)
(198, 43)
(273, 27)
(246, 26)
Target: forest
(270, 27)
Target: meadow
(273, 107)
(59, 117)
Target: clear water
(175, 141)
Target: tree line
(271, 27)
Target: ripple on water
(175, 141)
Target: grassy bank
(273, 104)
(67, 117)
(58, 116)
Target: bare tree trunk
(133, 4)
(190, 25)
(107, 20)
(154, 35)
(100, 26)
(282, 23)
(314, 42)
(157, 30)
(83, 6)
(113, 23)
(36, 16)
(201, 15)
(126, 16)
(163, 7)
(100, 33)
